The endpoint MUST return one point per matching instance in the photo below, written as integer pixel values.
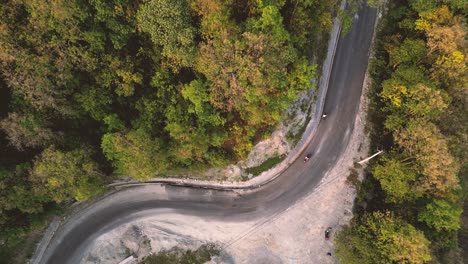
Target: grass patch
(178, 256)
(268, 164)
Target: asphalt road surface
(331, 138)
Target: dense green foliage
(415, 192)
(66, 175)
(94, 88)
(383, 238)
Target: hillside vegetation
(94, 88)
(409, 206)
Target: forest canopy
(91, 89)
(195, 81)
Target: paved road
(298, 180)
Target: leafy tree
(95, 100)
(135, 153)
(426, 102)
(411, 75)
(418, 101)
(450, 70)
(421, 5)
(118, 19)
(215, 61)
(198, 130)
(456, 4)
(410, 51)
(352, 248)
(197, 94)
(16, 192)
(422, 73)
(215, 18)
(397, 180)
(444, 32)
(444, 39)
(66, 175)
(424, 142)
(300, 76)
(346, 21)
(113, 122)
(271, 21)
(169, 25)
(127, 77)
(394, 92)
(27, 130)
(430, 15)
(299, 16)
(41, 41)
(382, 238)
(256, 7)
(192, 139)
(441, 215)
(252, 75)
